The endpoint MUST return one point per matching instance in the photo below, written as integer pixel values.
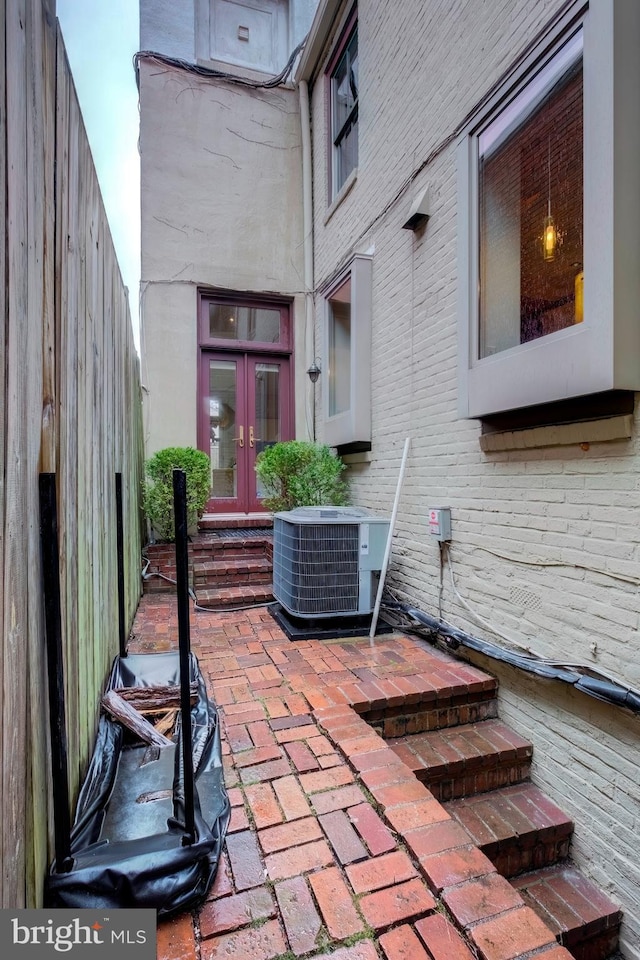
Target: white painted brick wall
(545, 541)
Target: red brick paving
(380, 872)
(338, 910)
(510, 935)
(402, 943)
(337, 852)
(400, 901)
(301, 920)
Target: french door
(245, 405)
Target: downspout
(307, 227)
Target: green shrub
(157, 498)
(297, 473)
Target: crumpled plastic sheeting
(160, 870)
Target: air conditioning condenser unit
(327, 560)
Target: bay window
(548, 242)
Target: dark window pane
(340, 350)
(228, 321)
(344, 113)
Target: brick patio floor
(335, 849)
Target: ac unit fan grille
(315, 568)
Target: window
(229, 320)
(546, 299)
(530, 209)
(347, 348)
(339, 322)
(343, 74)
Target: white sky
(101, 37)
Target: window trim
(603, 352)
(353, 425)
(346, 35)
(284, 306)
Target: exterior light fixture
(314, 371)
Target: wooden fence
(69, 404)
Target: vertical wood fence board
(3, 346)
(72, 371)
(15, 558)
(66, 326)
(49, 449)
(41, 432)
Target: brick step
(218, 548)
(212, 522)
(518, 828)
(232, 572)
(582, 917)
(222, 598)
(467, 759)
(161, 558)
(440, 697)
(202, 550)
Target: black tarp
(129, 845)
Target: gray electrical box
(440, 523)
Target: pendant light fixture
(550, 234)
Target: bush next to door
(157, 498)
(298, 473)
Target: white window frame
(353, 424)
(338, 179)
(603, 352)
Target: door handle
(252, 439)
(240, 439)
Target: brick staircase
(480, 771)
(229, 566)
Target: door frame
(246, 353)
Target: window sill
(564, 434)
(345, 189)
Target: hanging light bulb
(550, 234)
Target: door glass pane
(229, 321)
(222, 428)
(267, 413)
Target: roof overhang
(323, 21)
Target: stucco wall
(221, 208)
(546, 540)
(168, 26)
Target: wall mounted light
(314, 371)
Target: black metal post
(120, 551)
(184, 645)
(55, 669)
